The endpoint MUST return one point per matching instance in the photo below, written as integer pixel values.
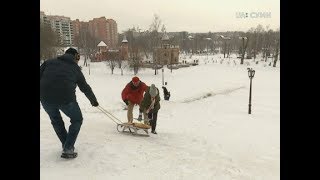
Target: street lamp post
(162, 76)
(251, 73)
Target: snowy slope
(204, 131)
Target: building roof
(165, 37)
(101, 44)
(124, 39)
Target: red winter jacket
(132, 93)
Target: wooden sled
(133, 128)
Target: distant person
(150, 106)
(166, 93)
(59, 78)
(132, 95)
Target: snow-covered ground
(204, 131)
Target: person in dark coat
(166, 93)
(132, 95)
(150, 106)
(59, 78)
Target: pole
(243, 51)
(154, 63)
(250, 96)
(207, 49)
(251, 73)
(225, 48)
(162, 76)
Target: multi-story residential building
(43, 17)
(104, 30)
(112, 33)
(100, 29)
(63, 26)
(80, 30)
(76, 24)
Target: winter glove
(146, 121)
(140, 117)
(94, 103)
(126, 101)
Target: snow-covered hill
(204, 131)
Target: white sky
(210, 138)
(176, 15)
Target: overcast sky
(176, 15)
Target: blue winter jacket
(59, 78)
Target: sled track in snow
(210, 94)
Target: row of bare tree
(142, 42)
(258, 40)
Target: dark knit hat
(71, 51)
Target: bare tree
(267, 39)
(244, 47)
(121, 65)
(112, 59)
(260, 31)
(163, 29)
(225, 46)
(135, 60)
(277, 51)
(87, 43)
(154, 31)
(135, 57)
(112, 64)
(155, 37)
(48, 40)
(257, 40)
(191, 45)
(252, 45)
(143, 43)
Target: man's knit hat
(71, 51)
(135, 79)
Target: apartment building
(100, 29)
(112, 33)
(43, 17)
(61, 25)
(105, 30)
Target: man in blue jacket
(59, 78)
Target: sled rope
(110, 116)
(151, 105)
(119, 123)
